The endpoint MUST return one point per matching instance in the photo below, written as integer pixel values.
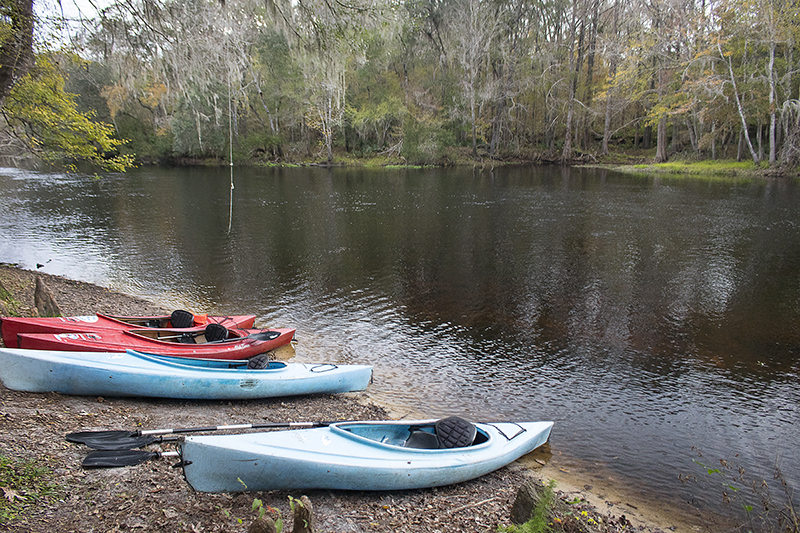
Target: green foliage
(261, 510)
(382, 78)
(45, 117)
(540, 517)
(425, 143)
(258, 145)
(200, 130)
(23, 483)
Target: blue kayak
(137, 374)
(380, 455)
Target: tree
(566, 153)
(43, 117)
(16, 43)
(474, 27)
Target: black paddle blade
(117, 458)
(82, 436)
(122, 443)
(264, 335)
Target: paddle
(117, 458)
(120, 439)
(125, 443)
(263, 335)
(260, 336)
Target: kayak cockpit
(447, 433)
(211, 333)
(239, 365)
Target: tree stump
(528, 497)
(44, 301)
(302, 510)
(263, 525)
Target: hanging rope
(230, 138)
(230, 145)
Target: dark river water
(649, 317)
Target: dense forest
(410, 81)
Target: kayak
(138, 374)
(10, 327)
(225, 344)
(378, 455)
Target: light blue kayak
(352, 456)
(137, 374)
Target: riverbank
(153, 496)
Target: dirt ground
(154, 497)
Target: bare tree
(473, 30)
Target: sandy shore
(33, 425)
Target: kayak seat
(181, 319)
(451, 432)
(419, 438)
(258, 362)
(455, 432)
(216, 332)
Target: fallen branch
(467, 506)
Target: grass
(724, 168)
(23, 483)
(12, 305)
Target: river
(651, 318)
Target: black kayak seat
(450, 432)
(216, 332)
(455, 432)
(181, 319)
(422, 439)
(258, 362)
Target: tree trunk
(474, 133)
(661, 146)
(771, 75)
(739, 107)
(587, 121)
(16, 53)
(566, 154)
(713, 140)
(612, 75)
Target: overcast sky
(51, 12)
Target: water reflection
(645, 316)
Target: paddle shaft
(265, 335)
(266, 425)
(108, 437)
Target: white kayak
(353, 456)
(137, 374)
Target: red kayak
(214, 342)
(10, 327)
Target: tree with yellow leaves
(42, 118)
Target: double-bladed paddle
(266, 335)
(117, 458)
(121, 439)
